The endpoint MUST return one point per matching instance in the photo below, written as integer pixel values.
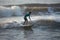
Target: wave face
(11, 11)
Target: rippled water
(35, 33)
(38, 33)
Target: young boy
(25, 17)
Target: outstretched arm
(29, 18)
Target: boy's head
(29, 12)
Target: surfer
(25, 17)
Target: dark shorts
(25, 19)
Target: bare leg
(26, 22)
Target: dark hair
(29, 12)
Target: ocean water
(36, 32)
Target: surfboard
(27, 25)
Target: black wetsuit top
(27, 15)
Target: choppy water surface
(38, 33)
(34, 33)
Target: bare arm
(29, 18)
